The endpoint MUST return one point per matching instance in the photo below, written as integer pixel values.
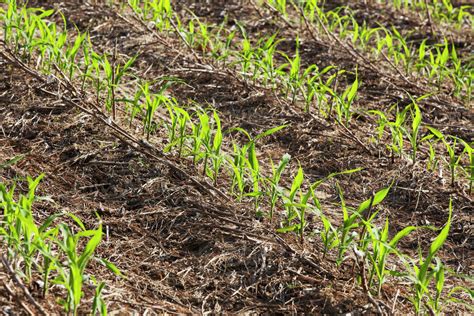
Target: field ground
(184, 244)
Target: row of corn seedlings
(58, 254)
(258, 61)
(443, 11)
(44, 43)
(406, 127)
(437, 62)
(197, 133)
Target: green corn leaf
(90, 247)
(404, 232)
(416, 119)
(77, 220)
(422, 50)
(435, 132)
(444, 55)
(297, 182)
(345, 214)
(109, 265)
(45, 14)
(218, 134)
(288, 229)
(270, 132)
(378, 198)
(11, 161)
(436, 245)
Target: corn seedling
(36, 247)
(297, 203)
(19, 228)
(274, 182)
(396, 128)
(344, 102)
(293, 81)
(350, 222)
(290, 202)
(315, 88)
(98, 303)
(329, 235)
(215, 148)
(157, 12)
(114, 73)
(432, 162)
(422, 273)
(152, 102)
(381, 248)
(200, 132)
(73, 277)
(177, 129)
(251, 161)
(238, 165)
(266, 60)
(412, 135)
(468, 149)
(205, 128)
(451, 149)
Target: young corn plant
(71, 54)
(238, 165)
(266, 60)
(413, 134)
(433, 161)
(152, 102)
(18, 228)
(454, 157)
(381, 248)
(206, 143)
(468, 149)
(246, 56)
(177, 130)
(291, 203)
(206, 129)
(297, 203)
(344, 102)
(396, 130)
(114, 73)
(40, 249)
(293, 80)
(200, 134)
(274, 182)
(253, 166)
(26, 241)
(157, 12)
(72, 276)
(315, 89)
(329, 235)
(209, 134)
(350, 222)
(251, 162)
(422, 273)
(279, 5)
(217, 157)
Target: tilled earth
(183, 247)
